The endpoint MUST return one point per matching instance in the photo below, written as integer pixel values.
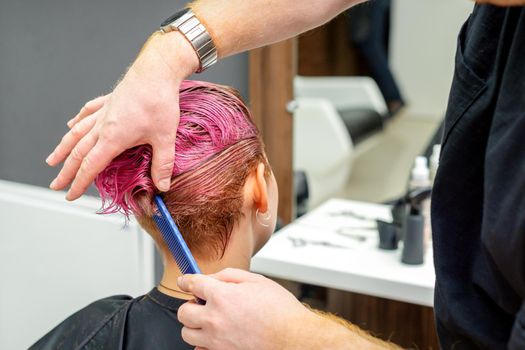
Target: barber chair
(332, 116)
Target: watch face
(178, 14)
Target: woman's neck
(238, 254)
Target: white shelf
(354, 266)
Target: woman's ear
(260, 193)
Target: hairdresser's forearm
(348, 335)
(237, 26)
(322, 332)
(240, 25)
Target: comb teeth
(174, 240)
(174, 245)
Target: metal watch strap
(185, 22)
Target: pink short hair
(217, 146)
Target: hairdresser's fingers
(92, 164)
(162, 162)
(70, 140)
(74, 161)
(191, 315)
(200, 348)
(201, 286)
(194, 337)
(236, 276)
(89, 108)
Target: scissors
(352, 214)
(349, 232)
(301, 242)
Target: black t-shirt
(120, 322)
(478, 204)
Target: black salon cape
(478, 205)
(120, 322)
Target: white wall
(423, 47)
(56, 257)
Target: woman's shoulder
(95, 322)
(120, 322)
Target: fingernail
(68, 196)
(164, 185)
(179, 280)
(69, 123)
(49, 158)
(53, 184)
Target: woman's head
(221, 174)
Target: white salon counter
(352, 265)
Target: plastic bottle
(414, 246)
(420, 174)
(421, 179)
(434, 162)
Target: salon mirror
(370, 94)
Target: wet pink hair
(217, 146)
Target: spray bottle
(413, 242)
(420, 179)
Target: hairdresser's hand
(502, 2)
(245, 311)
(143, 109)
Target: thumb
(162, 164)
(199, 285)
(235, 276)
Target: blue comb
(173, 238)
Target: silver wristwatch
(185, 22)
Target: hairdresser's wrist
(168, 56)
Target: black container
(388, 235)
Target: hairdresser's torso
(479, 196)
